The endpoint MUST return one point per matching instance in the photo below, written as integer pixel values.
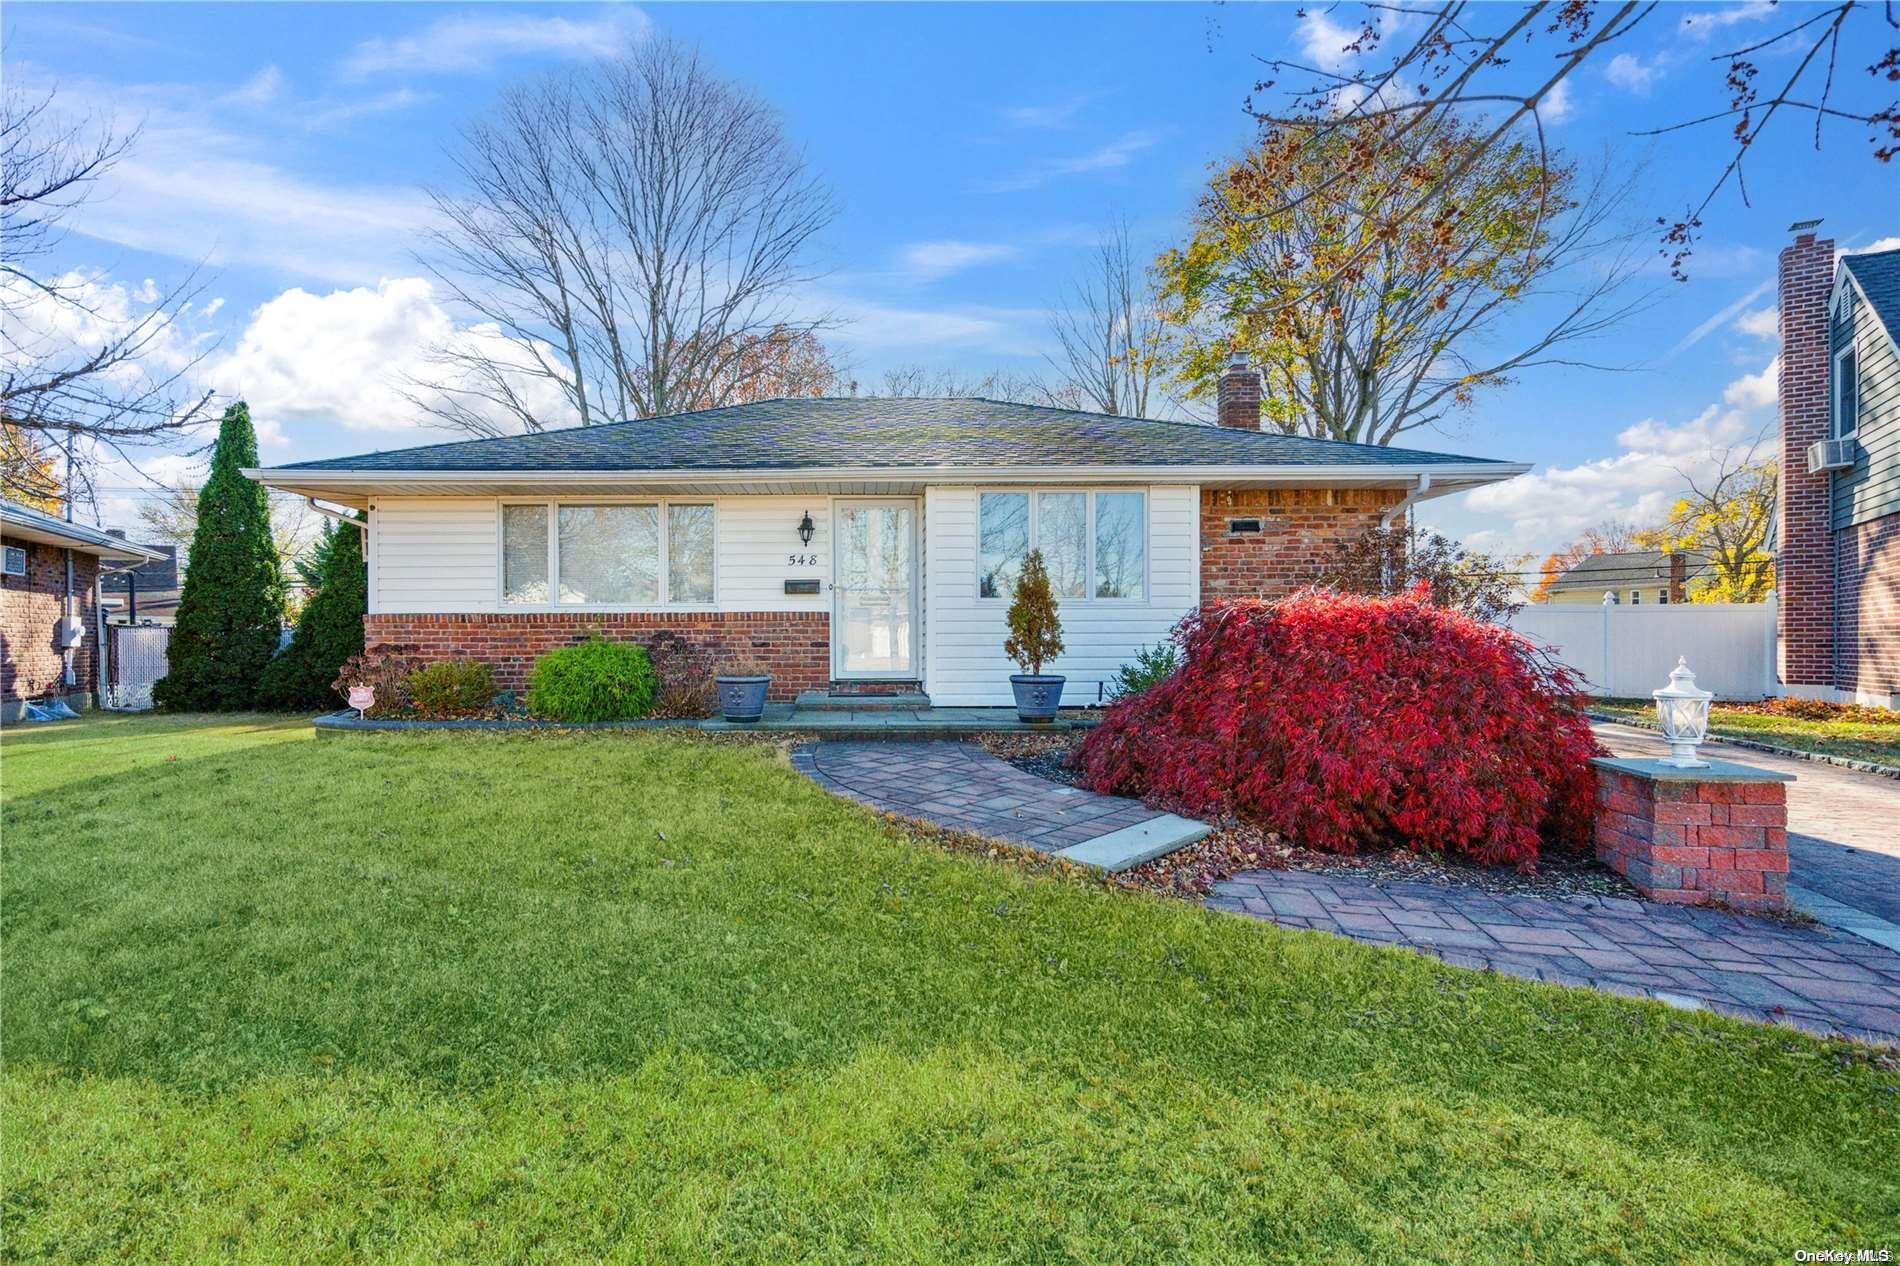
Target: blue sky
(974, 150)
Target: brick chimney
(1239, 395)
(1804, 564)
(1678, 575)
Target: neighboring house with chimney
(145, 594)
(1635, 577)
(1838, 562)
(50, 606)
(858, 544)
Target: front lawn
(1878, 742)
(655, 998)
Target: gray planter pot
(1037, 697)
(742, 698)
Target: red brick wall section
(794, 646)
(1804, 572)
(1867, 570)
(1299, 528)
(30, 605)
(1693, 843)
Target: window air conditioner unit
(1830, 455)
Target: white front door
(874, 590)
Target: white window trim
(1834, 394)
(1035, 540)
(553, 506)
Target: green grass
(1879, 743)
(651, 998)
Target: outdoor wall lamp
(1683, 712)
(805, 528)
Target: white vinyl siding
(434, 555)
(443, 554)
(966, 667)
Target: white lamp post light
(1684, 713)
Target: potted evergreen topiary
(742, 686)
(1035, 636)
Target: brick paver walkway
(1816, 978)
(959, 785)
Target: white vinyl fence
(1627, 651)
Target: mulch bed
(1237, 846)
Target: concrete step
(825, 701)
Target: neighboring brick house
(1838, 562)
(868, 542)
(49, 606)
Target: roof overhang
(123, 551)
(356, 487)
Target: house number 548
(802, 560)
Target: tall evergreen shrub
(330, 630)
(230, 614)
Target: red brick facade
(1298, 529)
(1804, 571)
(1691, 842)
(1867, 606)
(30, 605)
(794, 646)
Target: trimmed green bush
(452, 688)
(597, 680)
(1151, 666)
(231, 611)
(330, 630)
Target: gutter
(360, 525)
(1426, 476)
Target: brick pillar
(1239, 395)
(1695, 836)
(1804, 569)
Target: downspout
(69, 653)
(361, 525)
(1410, 499)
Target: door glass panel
(875, 565)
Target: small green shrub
(1035, 629)
(452, 688)
(597, 680)
(1150, 667)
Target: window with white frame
(607, 554)
(1846, 393)
(1094, 544)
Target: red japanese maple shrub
(1349, 722)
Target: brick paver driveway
(1818, 978)
(1843, 825)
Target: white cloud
(1631, 74)
(260, 89)
(214, 307)
(1557, 104)
(1760, 323)
(1323, 41)
(1755, 391)
(1053, 116)
(1551, 507)
(350, 356)
(930, 261)
(1114, 154)
(1706, 22)
(1721, 318)
(1879, 244)
(471, 42)
(316, 120)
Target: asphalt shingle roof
(26, 517)
(882, 432)
(1879, 276)
(1625, 570)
